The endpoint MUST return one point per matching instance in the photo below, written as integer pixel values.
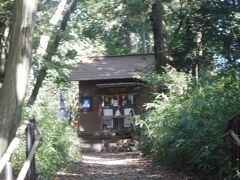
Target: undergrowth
(60, 142)
(183, 127)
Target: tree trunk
(158, 35)
(41, 75)
(143, 37)
(17, 69)
(45, 38)
(148, 43)
(128, 42)
(51, 49)
(199, 55)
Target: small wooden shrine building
(109, 91)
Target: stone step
(105, 135)
(108, 145)
(100, 141)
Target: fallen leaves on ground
(117, 166)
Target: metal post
(8, 171)
(29, 143)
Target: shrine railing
(27, 172)
(233, 130)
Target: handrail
(13, 145)
(27, 163)
(235, 137)
(233, 131)
(27, 128)
(235, 116)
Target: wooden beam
(121, 84)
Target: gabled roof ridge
(102, 56)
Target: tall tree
(205, 31)
(51, 50)
(17, 69)
(158, 33)
(45, 37)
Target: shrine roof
(113, 67)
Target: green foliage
(216, 21)
(60, 143)
(58, 72)
(5, 11)
(6, 8)
(174, 81)
(109, 22)
(185, 129)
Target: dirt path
(116, 166)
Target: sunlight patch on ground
(107, 161)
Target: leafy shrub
(60, 143)
(184, 128)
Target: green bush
(60, 142)
(184, 127)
